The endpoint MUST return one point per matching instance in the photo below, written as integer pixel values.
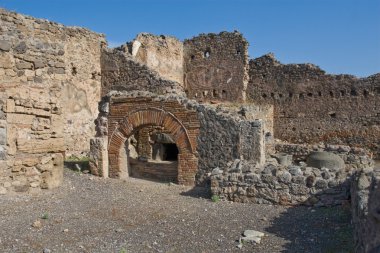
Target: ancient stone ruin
(198, 112)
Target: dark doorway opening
(171, 152)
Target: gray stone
(321, 184)
(253, 233)
(320, 159)
(298, 179)
(285, 177)
(5, 45)
(363, 182)
(20, 48)
(24, 65)
(38, 64)
(295, 170)
(298, 189)
(3, 136)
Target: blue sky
(340, 36)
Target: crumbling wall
(163, 54)
(36, 60)
(291, 183)
(41, 53)
(312, 106)
(122, 73)
(365, 205)
(32, 139)
(216, 66)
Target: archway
(125, 127)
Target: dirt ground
(90, 214)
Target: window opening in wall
(309, 94)
(205, 93)
(238, 51)
(301, 95)
(272, 95)
(342, 93)
(331, 94)
(192, 57)
(215, 93)
(264, 95)
(354, 92)
(290, 94)
(365, 93)
(280, 95)
(319, 93)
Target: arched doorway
(152, 154)
(183, 139)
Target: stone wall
(43, 54)
(121, 72)
(31, 138)
(312, 106)
(163, 54)
(216, 66)
(291, 183)
(365, 205)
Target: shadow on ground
(319, 230)
(198, 192)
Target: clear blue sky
(340, 36)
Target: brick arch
(137, 119)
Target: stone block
(14, 118)
(24, 65)
(6, 61)
(5, 45)
(3, 136)
(41, 146)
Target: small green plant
(215, 198)
(45, 216)
(122, 250)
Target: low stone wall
(290, 184)
(365, 204)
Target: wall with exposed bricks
(206, 136)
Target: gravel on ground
(92, 214)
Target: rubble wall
(311, 106)
(365, 206)
(121, 72)
(216, 67)
(293, 183)
(163, 54)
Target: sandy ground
(90, 214)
